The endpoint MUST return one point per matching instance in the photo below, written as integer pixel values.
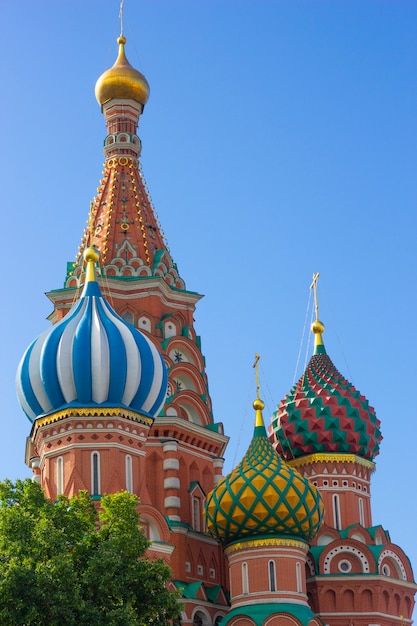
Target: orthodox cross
(313, 286)
(256, 366)
(121, 16)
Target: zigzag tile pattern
(325, 413)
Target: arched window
(170, 329)
(336, 512)
(245, 579)
(128, 317)
(129, 474)
(95, 473)
(198, 619)
(271, 572)
(59, 476)
(144, 324)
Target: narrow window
(361, 513)
(245, 580)
(271, 567)
(298, 577)
(336, 512)
(95, 473)
(59, 476)
(129, 474)
(196, 514)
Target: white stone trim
(171, 464)
(172, 502)
(172, 483)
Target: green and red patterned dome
(263, 496)
(324, 413)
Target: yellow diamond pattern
(263, 495)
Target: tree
(63, 563)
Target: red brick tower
(265, 514)
(326, 429)
(173, 460)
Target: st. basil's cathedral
(117, 395)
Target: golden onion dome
(122, 80)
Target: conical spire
(123, 225)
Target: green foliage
(66, 564)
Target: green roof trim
(129, 279)
(372, 531)
(189, 590)
(213, 592)
(376, 551)
(259, 612)
(171, 523)
(193, 484)
(214, 427)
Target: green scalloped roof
(263, 496)
(260, 612)
(188, 590)
(324, 413)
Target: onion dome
(263, 496)
(91, 358)
(324, 413)
(122, 80)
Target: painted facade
(137, 415)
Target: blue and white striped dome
(91, 357)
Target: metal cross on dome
(313, 286)
(121, 16)
(256, 366)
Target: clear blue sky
(279, 140)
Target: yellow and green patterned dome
(263, 496)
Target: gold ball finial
(317, 327)
(258, 405)
(91, 254)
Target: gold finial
(91, 257)
(317, 327)
(258, 405)
(121, 16)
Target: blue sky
(279, 140)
